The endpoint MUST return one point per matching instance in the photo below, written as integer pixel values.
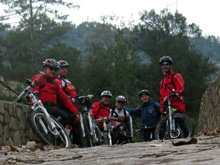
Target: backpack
(172, 82)
(100, 106)
(153, 103)
(64, 89)
(113, 111)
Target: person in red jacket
(101, 109)
(65, 83)
(175, 82)
(70, 91)
(49, 91)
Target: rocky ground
(200, 150)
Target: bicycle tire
(89, 140)
(62, 140)
(162, 131)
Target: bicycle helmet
(121, 98)
(106, 93)
(63, 63)
(51, 63)
(166, 59)
(144, 91)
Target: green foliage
(113, 64)
(168, 35)
(60, 51)
(104, 57)
(38, 28)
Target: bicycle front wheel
(53, 137)
(89, 138)
(182, 127)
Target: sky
(204, 13)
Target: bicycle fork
(82, 125)
(92, 129)
(106, 129)
(174, 133)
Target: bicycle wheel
(57, 137)
(88, 135)
(183, 127)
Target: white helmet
(120, 98)
(106, 93)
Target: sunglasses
(52, 68)
(165, 64)
(120, 102)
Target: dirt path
(205, 151)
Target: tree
(38, 28)
(60, 51)
(113, 64)
(167, 34)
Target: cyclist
(174, 81)
(123, 125)
(64, 82)
(101, 109)
(149, 112)
(49, 91)
(70, 91)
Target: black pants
(183, 127)
(148, 134)
(68, 118)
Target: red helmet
(51, 63)
(63, 63)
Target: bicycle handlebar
(33, 84)
(88, 97)
(110, 118)
(175, 93)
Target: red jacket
(179, 88)
(49, 91)
(100, 110)
(67, 87)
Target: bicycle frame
(171, 122)
(37, 105)
(106, 127)
(170, 111)
(86, 109)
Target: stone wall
(5, 92)
(14, 125)
(209, 114)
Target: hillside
(78, 37)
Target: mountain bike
(121, 133)
(174, 124)
(87, 123)
(48, 129)
(105, 135)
